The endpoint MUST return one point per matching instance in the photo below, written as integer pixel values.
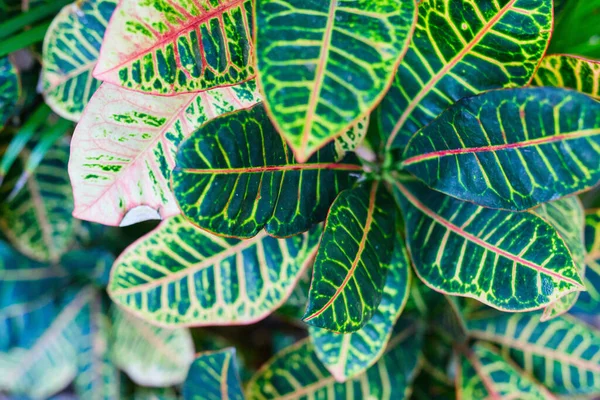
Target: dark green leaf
(214, 376)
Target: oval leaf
(181, 275)
(151, 356)
(123, 149)
(323, 64)
(511, 149)
(353, 260)
(461, 50)
(71, 49)
(236, 176)
(572, 72)
(214, 375)
(571, 348)
(462, 249)
(178, 46)
(296, 372)
(10, 89)
(589, 301)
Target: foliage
(372, 198)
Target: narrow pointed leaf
(178, 46)
(563, 354)
(573, 72)
(485, 374)
(568, 218)
(462, 50)
(589, 301)
(71, 49)
(151, 356)
(511, 149)
(214, 375)
(347, 355)
(353, 260)
(322, 65)
(297, 373)
(10, 89)
(236, 176)
(187, 276)
(125, 145)
(510, 261)
(38, 219)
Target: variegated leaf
(510, 261)
(485, 374)
(236, 176)
(181, 275)
(10, 89)
(214, 375)
(589, 301)
(459, 49)
(178, 46)
(151, 356)
(567, 71)
(347, 355)
(511, 149)
(297, 373)
(38, 219)
(353, 259)
(563, 354)
(352, 138)
(123, 149)
(323, 64)
(71, 49)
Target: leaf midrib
(273, 168)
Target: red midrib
(507, 146)
(274, 168)
(449, 225)
(435, 78)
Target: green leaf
(38, 349)
(89, 265)
(567, 217)
(71, 49)
(575, 32)
(589, 301)
(181, 275)
(510, 261)
(151, 356)
(236, 176)
(125, 161)
(561, 353)
(144, 393)
(10, 89)
(38, 219)
(461, 50)
(295, 305)
(214, 375)
(350, 354)
(178, 46)
(352, 138)
(485, 374)
(296, 372)
(511, 149)
(322, 65)
(353, 259)
(569, 72)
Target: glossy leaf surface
(353, 259)
(236, 176)
(561, 353)
(510, 261)
(323, 64)
(589, 301)
(462, 49)
(125, 145)
(511, 149)
(38, 219)
(297, 373)
(178, 46)
(572, 72)
(71, 48)
(485, 374)
(352, 138)
(181, 275)
(10, 88)
(151, 356)
(214, 375)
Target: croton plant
(360, 199)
